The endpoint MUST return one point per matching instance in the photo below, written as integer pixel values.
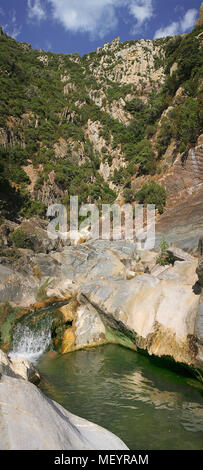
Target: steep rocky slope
(101, 125)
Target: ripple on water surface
(147, 406)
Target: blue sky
(68, 26)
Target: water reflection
(145, 391)
(146, 406)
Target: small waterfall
(30, 344)
(32, 337)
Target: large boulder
(33, 235)
(30, 234)
(30, 421)
(97, 260)
(18, 367)
(155, 312)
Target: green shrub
(42, 292)
(8, 316)
(164, 137)
(145, 157)
(135, 106)
(186, 52)
(150, 130)
(35, 208)
(152, 193)
(21, 239)
(128, 195)
(164, 257)
(187, 124)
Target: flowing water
(29, 344)
(147, 406)
(32, 335)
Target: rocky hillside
(117, 123)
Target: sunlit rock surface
(18, 367)
(157, 312)
(30, 421)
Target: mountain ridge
(102, 126)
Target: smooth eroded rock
(159, 311)
(31, 421)
(18, 367)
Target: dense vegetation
(35, 114)
(152, 193)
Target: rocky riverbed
(109, 292)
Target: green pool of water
(147, 406)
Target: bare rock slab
(18, 367)
(31, 421)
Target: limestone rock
(37, 236)
(179, 254)
(182, 224)
(68, 311)
(89, 327)
(30, 421)
(134, 63)
(17, 287)
(68, 342)
(173, 68)
(199, 21)
(44, 59)
(158, 312)
(18, 367)
(69, 88)
(6, 230)
(60, 148)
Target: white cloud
(188, 20)
(85, 16)
(35, 10)
(48, 45)
(98, 17)
(170, 30)
(178, 27)
(15, 32)
(12, 32)
(13, 19)
(142, 10)
(12, 28)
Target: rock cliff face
(132, 63)
(90, 136)
(199, 21)
(181, 223)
